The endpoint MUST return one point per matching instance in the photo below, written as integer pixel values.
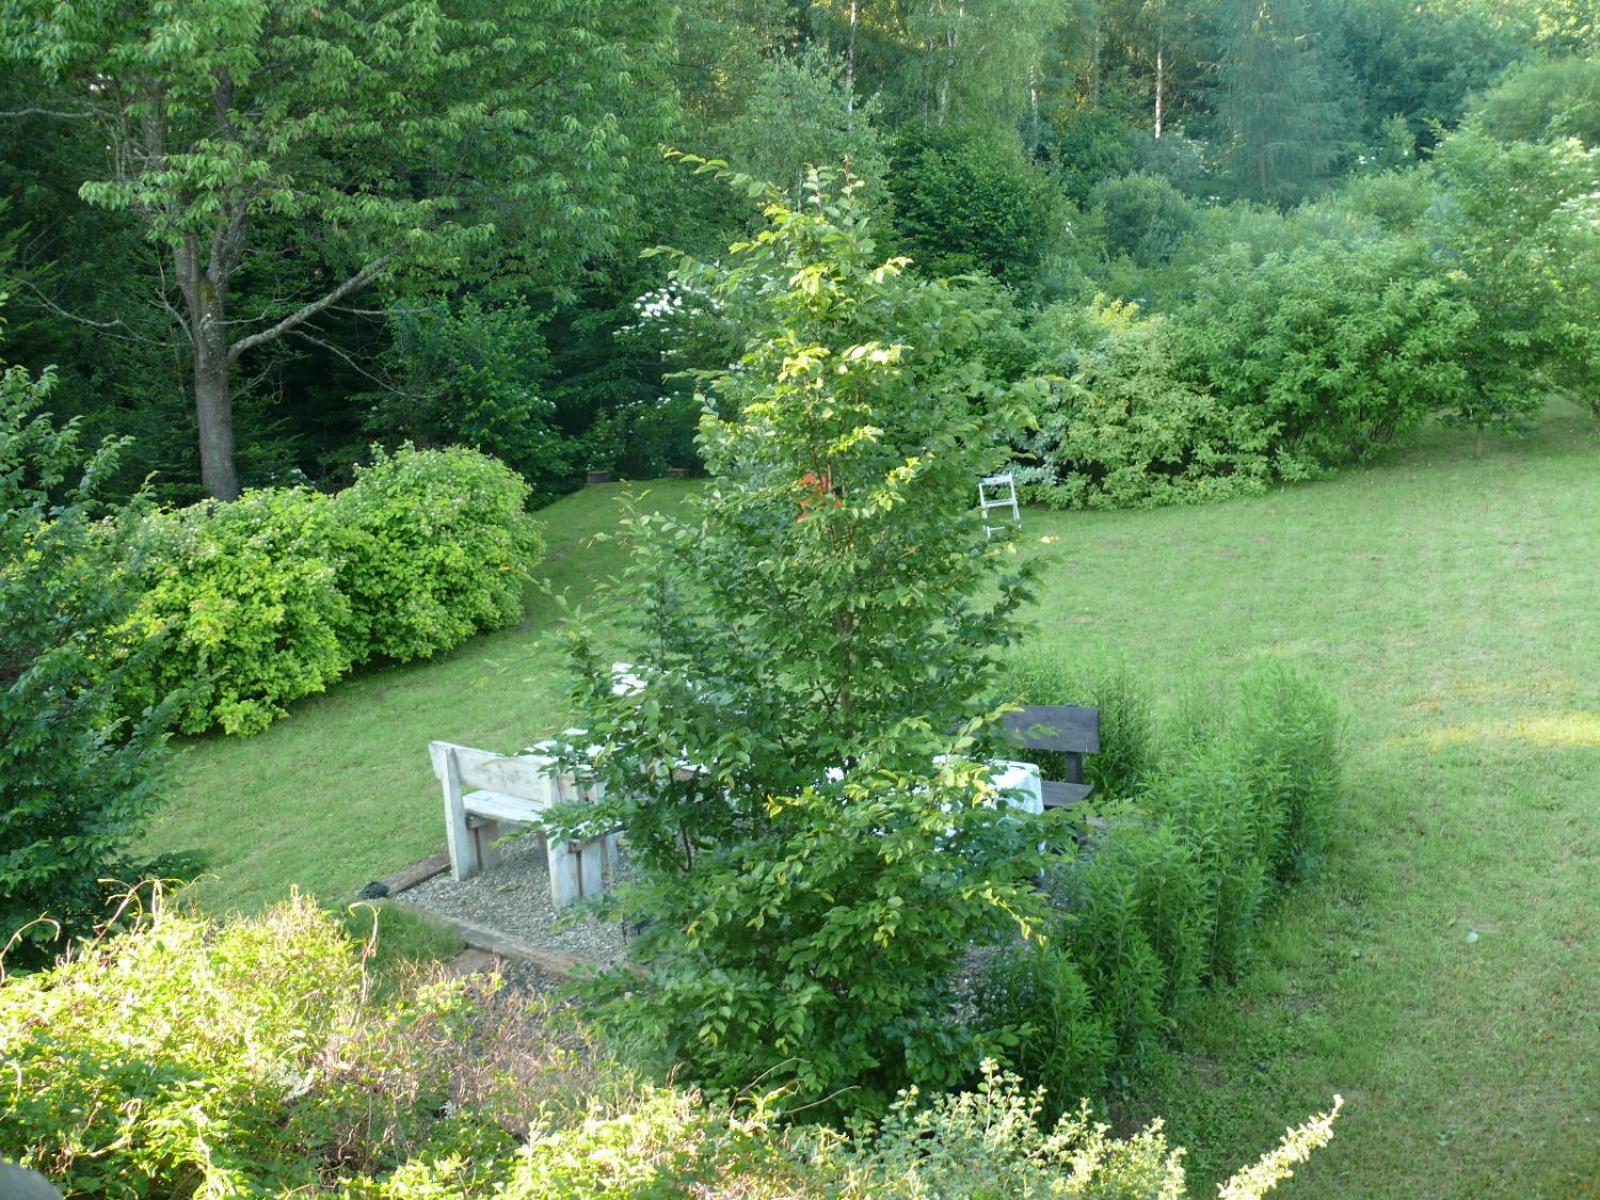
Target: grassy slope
(1455, 607)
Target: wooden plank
(1062, 727)
(1063, 795)
(482, 937)
(516, 775)
(458, 838)
(499, 806)
(407, 878)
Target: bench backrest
(528, 776)
(1068, 728)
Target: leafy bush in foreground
(182, 1060)
(78, 779)
(818, 640)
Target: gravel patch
(513, 896)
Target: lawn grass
(1453, 605)
(340, 792)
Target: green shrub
(1121, 428)
(78, 778)
(1143, 217)
(1168, 892)
(276, 595)
(180, 1060)
(434, 546)
(1334, 350)
(1063, 1042)
(830, 601)
(246, 598)
(967, 201)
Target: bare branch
(76, 115)
(357, 281)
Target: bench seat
(1063, 795)
(497, 806)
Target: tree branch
(301, 315)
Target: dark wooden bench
(1066, 729)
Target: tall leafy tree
(1278, 101)
(392, 141)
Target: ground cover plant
(1445, 599)
(260, 1057)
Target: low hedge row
(278, 594)
(1169, 894)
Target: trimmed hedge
(435, 546)
(278, 594)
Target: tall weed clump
(1168, 890)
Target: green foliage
(185, 1060)
(433, 547)
(246, 599)
(989, 1143)
(1544, 102)
(819, 609)
(967, 201)
(472, 375)
(1171, 884)
(1143, 217)
(798, 114)
(1121, 426)
(1335, 349)
(1279, 100)
(276, 595)
(79, 779)
(1518, 224)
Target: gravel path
(513, 896)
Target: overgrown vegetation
(1192, 844)
(182, 1060)
(80, 774)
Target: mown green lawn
(1443, 973)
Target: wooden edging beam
(482, 937)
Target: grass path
(1454, 606)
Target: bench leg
(566, 884)
(483, 840)
(464, 861)
(591, 867)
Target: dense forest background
(259, 238)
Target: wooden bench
(484, 791)
(1065, 729)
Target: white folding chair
(998, 491)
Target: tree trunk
(213, 408)
(1161, 62)
(208, 336)
(850, 59)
